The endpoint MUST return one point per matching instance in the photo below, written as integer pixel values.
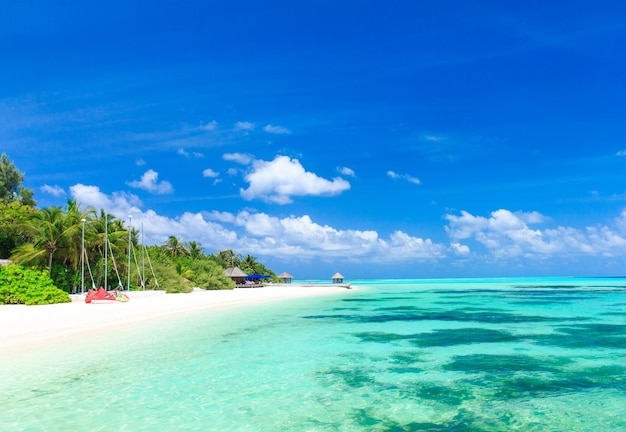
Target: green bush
(65, 278)
(169, 280)
(19, 285)
(209, 275)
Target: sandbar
(26, 326)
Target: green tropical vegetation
(50, 260)
(19, 285)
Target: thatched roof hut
(285, 277)
(337, 278)
(236, 274)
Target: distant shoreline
(346, 285)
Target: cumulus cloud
(91, 196)
(406, 177)
(460, 249)
(149, 182)
(241, 158)
(56, 191)
(346, 171)
(507, 234)
(301, 235)
(502, 235)
(219, 216)
(277, 181)
(210, 173)
(263, 234)
(157, 228)
(402, 243)
(280, 130)
(140, 162)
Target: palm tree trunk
(50, 264)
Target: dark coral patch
(464, 336)
(505, 364)
(586, 336)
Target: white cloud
(506, 235)
(57, 191)
(232, 171)
(460, 249)
(279, 180)
(157, 228)
(406, 177)
(244, 126)
(219, 216)
(280, 130)
(621, 153)
(210, 173)
(149, 182)
(403, 244)
(196, 155)
(90, 196)
(346, 171)
(308, 239)
(241, 158)
(262, 234)
(140, 162)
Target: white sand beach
(22, 326)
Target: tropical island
(55, 252)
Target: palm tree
(174, 247)
(184, 270)
(194, 249)
(73, 221)
(228, 257)
(55, 242)
(248, 264)
(49, 234)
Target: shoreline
(22, 327)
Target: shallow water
(406, 355)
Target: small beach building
(236, 274)
(5, 262)
(285, 278)
(337, 278)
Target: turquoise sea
(391, 355)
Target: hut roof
(337, 276)
(234, 272)
(285, 275)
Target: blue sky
(378, 139)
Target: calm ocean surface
(393, 355)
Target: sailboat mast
(143, 262)
(106, 248)
(130, 223)
(82, 259)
